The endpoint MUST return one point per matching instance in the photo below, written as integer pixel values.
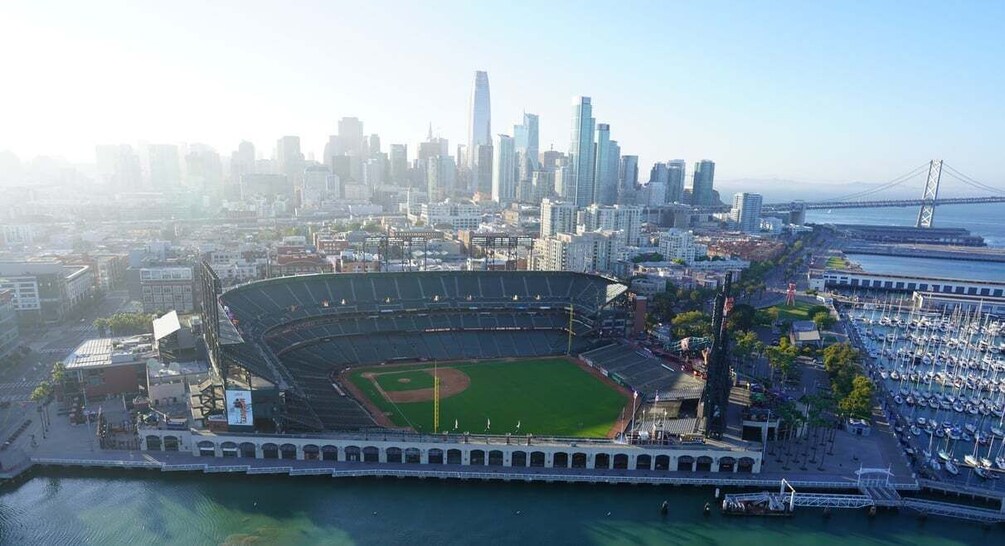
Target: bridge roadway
(775, 208)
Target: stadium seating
(309, 328)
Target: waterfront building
(746, 211)
(479, 117)
(935, 284)
(578, 179)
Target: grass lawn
(550, 397)
(417, 379)
(799, 311)
(836, 262)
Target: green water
(113, 508)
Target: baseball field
(544, 397)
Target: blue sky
(809, 91)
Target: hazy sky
(849, 90)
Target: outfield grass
(417, 379)
(548, 397)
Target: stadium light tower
(436, 400)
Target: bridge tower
(927, 212)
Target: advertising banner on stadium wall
(239, 408)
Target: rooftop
(109, 352)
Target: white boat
(915, 430)
(972, 461)
(952, 468)
(1000, 462)
(944, 456)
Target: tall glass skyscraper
(605, 189)
(675, 181)
(701, 187)
(479, 117)
(503, 170)
(526, 141)
(578, 179)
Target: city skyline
(820, 128)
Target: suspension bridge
(930, 198)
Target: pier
(873, 493)
(969, 254)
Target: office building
(481, 173)
(460, 215)
(118, 167)
(578, 179)
(479, 117)
(503, 170)
(46, 291)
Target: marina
(944, 381)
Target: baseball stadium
(413, 363)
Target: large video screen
(239, 408)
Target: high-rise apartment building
(624, 219)
(591, 252)
(747, 211)
(557, 217)
(479, 116)
(578, 180)
(503, 169)
(481, 172)
(677, 244)
(701, 186)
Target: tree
(823, 320)
(782, 358)
(741, 317)
(692, 324)
(858, 403)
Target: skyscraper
(399, 164)
(350, 133)
(605, 189)
(481, 173)
(675, 181)
(526, 143)
(164, 166)
(479, 117)
(289, 160)
(701, 186)
(578, 179)
(441, 174)
(503, 170)
(628, 173)
(747, 211)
